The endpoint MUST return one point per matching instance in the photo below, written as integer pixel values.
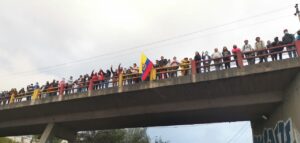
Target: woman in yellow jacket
(184, 65)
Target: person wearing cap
(288, 39)
(261, 50)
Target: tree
(160, 141)
(36, 138)
(106, 136)
(6, 140)
(137, 135)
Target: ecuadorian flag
(145, 67)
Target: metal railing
(236, 60)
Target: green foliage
(138, 135)
(54, 140)
(160, 141)
(6, 140)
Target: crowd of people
(165, 68)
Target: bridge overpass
(256, 93)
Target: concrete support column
(283, 124)
(53, 130)
(47, 134)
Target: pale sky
(43, 40)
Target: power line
(239, 136)
(242, 135)
(153, 43)
(232, 29)
(123, 54)
(237, 133)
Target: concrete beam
(203, 104)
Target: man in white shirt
(217, 57)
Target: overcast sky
(43, 40)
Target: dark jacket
(288, 38)
(276, 44)
(226, 55)
(206, 59)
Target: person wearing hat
(288, 39)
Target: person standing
(162, 65)
(197, 59)
(175, 66)
(288, 39)
(185, 64)
(261, 50)
(101, 78)
(135, 73)
(70, 85)
(271, 51)
(61, 86)
(115, 74)
(279, 49)
(226, 57)
(248, 52)
(217, 58)
(206, 61)
(235, 51)
(107, 78)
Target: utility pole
(297, 12)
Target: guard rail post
(61, 89)
(240, 58)
(194, 67)
(120, 80)
(90, 87)
(297, 44)
(153, 74)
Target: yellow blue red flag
(145, 67)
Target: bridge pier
(283, 124)
(53, 130)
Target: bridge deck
(223, 96)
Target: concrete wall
(283, 126)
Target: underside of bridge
(244, 94)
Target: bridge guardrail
(239, 60)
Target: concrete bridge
(265, 94)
